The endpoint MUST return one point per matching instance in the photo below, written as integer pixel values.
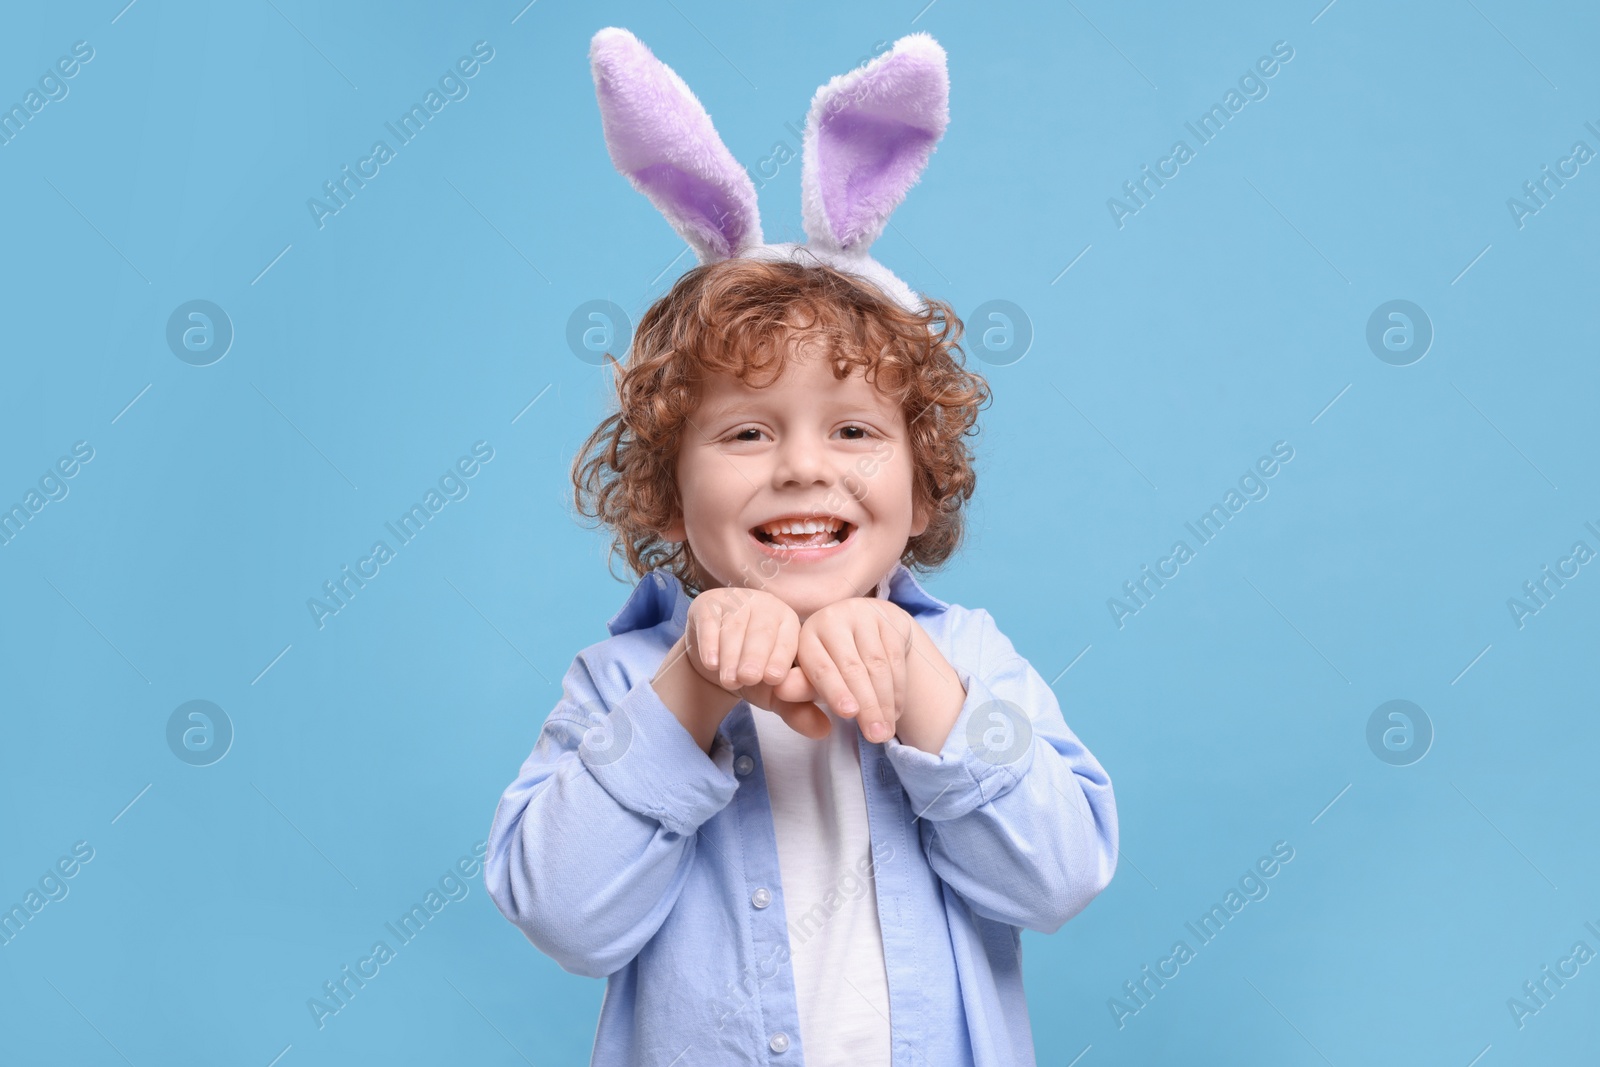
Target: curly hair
(734, 316)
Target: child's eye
(741, 435)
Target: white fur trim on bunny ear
(868, 137)
(662, 140)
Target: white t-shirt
(819, 814)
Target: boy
(795, 809)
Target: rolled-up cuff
(989, 749)
(649, 762)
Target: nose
(803, 460)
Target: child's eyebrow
(728, 407)
(756, 406)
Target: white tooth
(808, 526)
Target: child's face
(808, 445)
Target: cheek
(710, 502)
(889, 487)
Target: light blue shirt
(624, 851)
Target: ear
(921, 514)
(661, 139)
(868, 137)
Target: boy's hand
(744, 641)
(854, 657)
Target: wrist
(934, 688)
(698, 704)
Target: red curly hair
(734, 316)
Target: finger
(804, 718)
(795, 688)
(730, 642)
(786, 642)
(898, 646)
(702, 642)
(842, 677)
(877, 723)
(755, 656)
(799, 712)
(820, 671)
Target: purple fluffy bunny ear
(868, 137)
(662, 141)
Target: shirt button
(779, 1042)
(761, 898)
(743, 765)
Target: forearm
(589, 908)
(592, 841)
(1031, 853)
(697, 704)
(1039, 852)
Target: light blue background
(1223, 317)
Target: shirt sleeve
(1015, 814)
(593, 841)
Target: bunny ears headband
(868, 137)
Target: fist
(744, 641)
(854, 656)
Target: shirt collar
(659, 596)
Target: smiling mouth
(797, 535)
